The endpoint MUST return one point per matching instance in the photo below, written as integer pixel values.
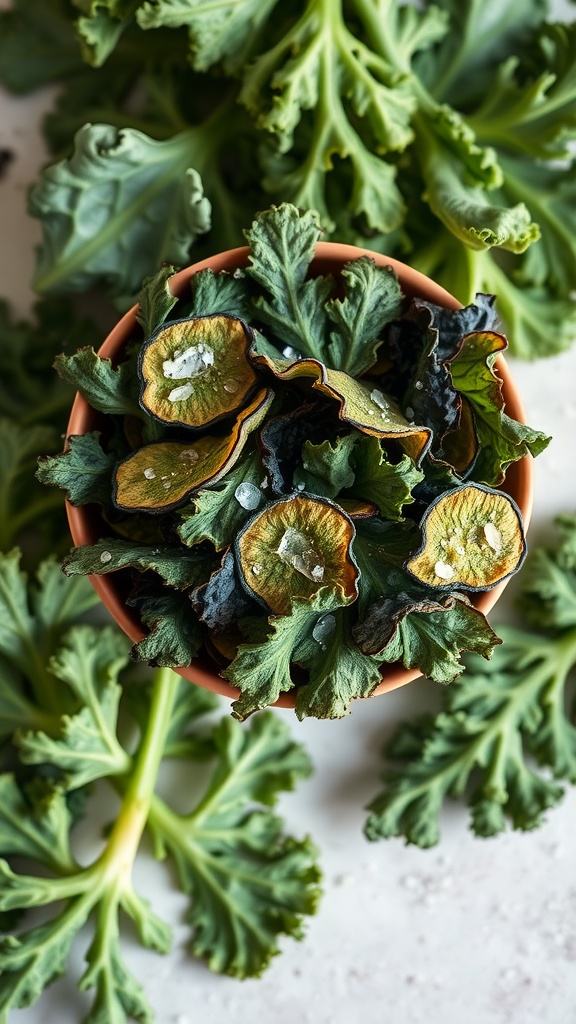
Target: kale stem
(127, 832)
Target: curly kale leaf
(496, 721)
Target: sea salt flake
(493, 537)
(192, 362)
(149, 474)
(166, 485)
(324, 628)
(444, 571)
(295, 550)
(380, 400)
(290, 353)
(106, 556)
(181, 394)
(231, 386)
(188, 456)
(257, 568)
(248, 496)
(418, 385)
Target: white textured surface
(473, 932)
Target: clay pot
(87, 527)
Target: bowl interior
(87, 527)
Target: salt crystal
(231, 386)
(248, 496)
(188, 455)
(295, 550)
(493, 536)
(181, 394)
(380, 399)
(166, 485)
(324, 627)
(190, 363)
(257, 568)
(460, 550)
(106, 556)
(149, 474)
(418, 385)
(444, 571)
(290, 353)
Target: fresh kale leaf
(101, 26)
(60, 707)
(224, 846)
(495, 720)
(38, 44)
(132, 175)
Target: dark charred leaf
(297, 548)
(223, 599)
(281, 440)
(460, 445)
(453, 324)
(361, 405)
(196, 371)
(472, 539)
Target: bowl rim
(519, 478)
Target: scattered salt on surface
(188, 456)
(149, 474)
(106, 556)
(181, 394)
(493, 536)
(444, 571)
(295, 550)
(248, 496)
(190, 363)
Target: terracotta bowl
(87, 527)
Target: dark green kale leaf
(495, 720)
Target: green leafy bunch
(64, 688)
(500, 724)
(441, 135)
(272, 521)
(34, 406)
